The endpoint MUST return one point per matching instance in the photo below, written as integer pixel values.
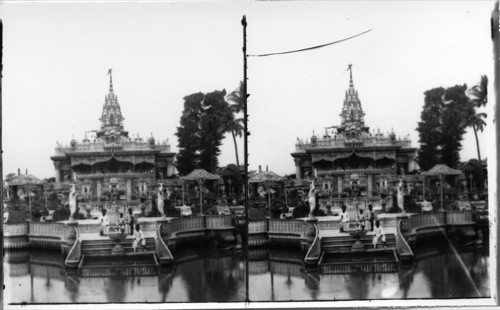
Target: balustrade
(293, 227)
(48, 230)
(12, 230)
(255, 227)
(217, 221)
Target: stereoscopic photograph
(249, 154)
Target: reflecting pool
(436, 272)
(204, 276)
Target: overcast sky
(56, 58)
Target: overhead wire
(310, 48)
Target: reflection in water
(40, 277)
(437, 272)
(204, 275)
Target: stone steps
(104, 247)
(345, 243)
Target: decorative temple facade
(113, 166)
(351, 161)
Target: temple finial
(350, 72)
(110, 79)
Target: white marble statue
(400, 196)
(159, 200)
(72, 202)
(312, 199)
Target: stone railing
(14, 230)
(404, 249)
(314, 252)
(328, 225)
(288, 227)
(423, 220)
(75, 253)
(50, 230)
(15, 235)
(162, 250)
(218, 221)
(458, 217)
(257, 227)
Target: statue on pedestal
(312, 199)
(159, 200)
(72, 202)
(400, 196)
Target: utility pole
(245, 144)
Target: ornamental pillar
(339, 185)
(170, 167)
(58, 172)
(129, 189)
(298, 175)
(99, 188)
(370, 185)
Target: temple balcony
(337, 172)
(351, 143)
(111, 147)
(125, 175)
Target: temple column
(298, 175)
(339, 185)
(129, 189)
(58, 172)
(170, 167)
(99, 188)
(370, 185)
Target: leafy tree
(429, 129)
(188, 134)
(478, 98)
(213, 124)
(453, 123)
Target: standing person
(378, 232)
(104, 223)
(129, 220)
(121, 223)
(344, 219)
(139, 238)
(361, 219)
(426, 205)
(370, 218)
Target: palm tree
(235, 126)
(478, 97)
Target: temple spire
(351, 83)
(110, 80)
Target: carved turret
(111, 117)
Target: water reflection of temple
(352, 160)
(113, 165)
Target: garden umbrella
(200, 175)
(25, 180)
(440, 170)
(266, 178)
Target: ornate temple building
(113, 165)
(351, 161)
